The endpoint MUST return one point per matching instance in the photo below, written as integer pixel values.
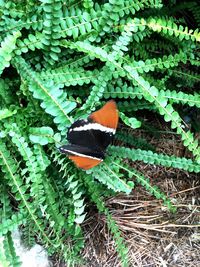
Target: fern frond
(119, 241)
(134, 105)
(3, 259)
(34, 172)
(52, 13)
(195, 9)
(110, 176)
(43, 135)
(70, 76)
(32, 42)
(151, 94)
(6, 50)
(73, 186)
(12, 223)
(167, 27)
(122, 91)
(190, 77)
(9, 221)
(6, 96)
(77, 199)
(154, 158)
(137, 142)
(19, 189)
(166, 62)
(41, 157)
(154, 190)
(97, 199)
(131, 122)
(74, 25)
(180, 97)
(53, 99)
(9, 251)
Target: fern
(9, 168)
(65, 76)
(119, 242)
(53, 99)
(9, 222)
(58, 63)
(154, 158)
(6, 49)
(136, 142)
(9, 251)
(43, 136)
(32, 42)
(150, 93)
(111, 177)
(132, 122)
(164, 26)
(159, 63)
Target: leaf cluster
(59, 62)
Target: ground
(155, 236)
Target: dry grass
(155, 236)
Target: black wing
(94, 139)
(81, 151)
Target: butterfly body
(88, 139)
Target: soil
(154, 235)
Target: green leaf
(43, 135)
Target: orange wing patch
(107, 115)
(84, 162)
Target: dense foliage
(60, 60)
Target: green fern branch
(70, 76)
(134, 105)
(74, 187)
(12, 223)
(154, 190)
(110, 176)
(165, 62)
(137, 142)
(180, 97)
(9, 251)
(9, 220)
(52, 13)
(10, 169)
(53, 99)
(187, 75)
(32, 42)
(154, 158)
(167, 27)
(97, 199)
(6, 50)
(152, 94)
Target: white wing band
(80, 155)
(94, 126)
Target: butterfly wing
(83, 157)
(97, 132)
(107, 117)
(80, 134)
(89, 138)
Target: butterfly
(88, 139)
